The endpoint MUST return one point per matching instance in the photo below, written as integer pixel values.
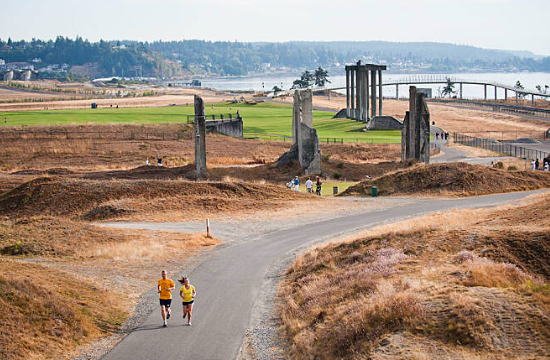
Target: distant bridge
(441, 79)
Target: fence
(89, 135)
(325, 140)
(503, 148)
(509, 109)
(508, 135)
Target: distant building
(426, 91)
(19, 66)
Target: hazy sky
(497, 24)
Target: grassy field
(265, 120)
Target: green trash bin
(374, 190)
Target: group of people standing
(294, 184)
(187, 294)
(535, 164)
(443, 135)
(159, 161)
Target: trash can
(374, 190)
(335, 190)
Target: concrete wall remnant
(305, 141)
(415, 135)
(384, 123)
(229, 127)
(200, 137)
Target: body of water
(267, 82)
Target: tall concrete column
(347, 94)
(359, 90)
(352, 95)
(380, 96)
(373, 90)
(485, 91)
(396, 91)
(367, 95)
(496, 95)
(461, 90)
(200, 137)
(505, 95)
(532, 99)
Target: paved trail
(228, 282)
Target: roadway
(228, 282)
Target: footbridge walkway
(441, 79)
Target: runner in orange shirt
(165, 287)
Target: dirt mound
(96, 199)
(52, 171)
(453, 179)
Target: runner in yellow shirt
(165, 287)
(187, 294)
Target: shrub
(499, 165)
(340, 165)
(326, 157)
(337, 175)
(512, 167)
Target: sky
(494, 24)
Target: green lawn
(259, 120)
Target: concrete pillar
(380, 96)
(461, 90)
(517, 100)
(396, 91)
(359, 90)
(200, 137)
(532, 99)
(485, 91)
(347, 94)
(352, 93)
(505, 95)
(496, 95)
(367, 95)
(373, 90)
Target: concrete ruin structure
(415, 135)
(384, 123)
(361, 87)
(200, 137)
(230, 127)
(305, 141)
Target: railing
(510, 109)
(499, 147)
(191, 118)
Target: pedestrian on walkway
(165, 287)
(187, 294)
(159, 161)
(546, 166)
(318, 185)
(437, 136)
(309, 185)
(297, 183)
(533, 164)
(537, 164)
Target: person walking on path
(537, 164)
(159, 161)
(318, 186)
(5, 120)
(297, 183)
(187, 294)
(437, 136)
(165, 287)
(533, 164)
(309, 185)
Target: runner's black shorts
(185, 303)
(165, 302)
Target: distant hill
(203, 58)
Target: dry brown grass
(47, 313)
(465, 289)
(452, 179)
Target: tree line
(198, 57)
